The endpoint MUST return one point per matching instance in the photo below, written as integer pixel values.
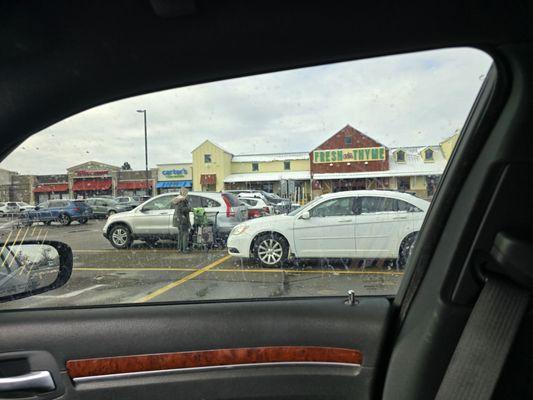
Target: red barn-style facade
(347, 152)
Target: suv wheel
(64, 219)
(120, 237)
(83, 220)
(271, 250)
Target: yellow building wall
(448, 145)
(271, 166)
(220, 165)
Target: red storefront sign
(132, 185)
(92, 172)
(91, 184)
(208, 179)
(60, 187)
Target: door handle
(344, 220)
(40, 381)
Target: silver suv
(152, 220)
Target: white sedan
(355, 224)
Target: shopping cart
(204, 229)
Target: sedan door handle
(40, 381)
(344, 220)
(399, 218)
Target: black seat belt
(486, 340)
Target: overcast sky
(406, 100)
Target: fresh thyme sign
(349, 155)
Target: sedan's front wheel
(271, 250)
(120, 237)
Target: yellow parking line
(133, 269)
(123, 251)
(172, 285)
(298, 271)
(227, 270)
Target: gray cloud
(412, 99)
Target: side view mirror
(37, 208)
(33, 267)
(305, 215)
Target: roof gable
(93, 165)
(348, 130)
(213, 144)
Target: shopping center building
(348, 160)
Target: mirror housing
(37, 208)
(305, 215)
(33, 267)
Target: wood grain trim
(210, 358)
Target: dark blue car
(62, 211)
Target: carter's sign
(349, 155)
(174, 173)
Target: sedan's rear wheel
(83, 220)
(120, 237)
(271, 250)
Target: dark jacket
(182, 208)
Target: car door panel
(315, 323)
(327, 233)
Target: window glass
(334, 150)
(375, 204)
(333, 208)
(195, 201)
(405, 206)
(160, 203)
(209, 203)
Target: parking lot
(104, 275)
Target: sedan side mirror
(305, 215)
(37, 208)
(33, 267)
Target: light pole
(145, 149)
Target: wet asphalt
(103, 275)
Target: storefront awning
(375, 174)
(269, 176)
(91, 184)
(173, 184)
(132, 185)
(208, 179)
(47, 188)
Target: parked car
(62, 211)
(152, 220)
(22, 206)
(279, 204)
(141, 198)
(127, 201)
(256, 207)
(354, 224)
(8, 208)
(105, 207)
